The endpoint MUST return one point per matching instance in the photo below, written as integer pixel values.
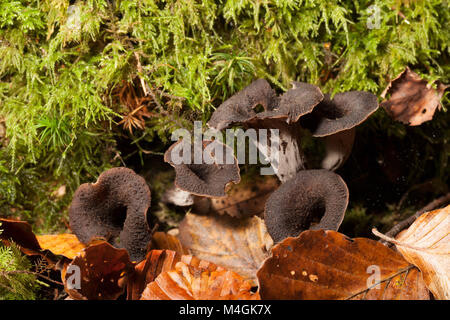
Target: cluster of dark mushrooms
(115, 207)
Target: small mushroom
(114, 208)
(294, 103)
(335, 119)
(205, 178)
(312, 199)
(240, 107)
(280, 113)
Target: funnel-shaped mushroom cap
(208, 177)
(346, 110)
(294, 103)
(113, 207)
(239, 107)
(311, 195)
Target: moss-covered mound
(87, 85)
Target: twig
(145, 86)
(405, 196)
(392, 240)
(6, 273)
(439, 202)
(139, 67)
(381, 281)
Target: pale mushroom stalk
(178, 197)
(289, 157)
(338, 148)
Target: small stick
(6, 273)
(139, 67)
(380, 282)
(439, 202)
(392, 240)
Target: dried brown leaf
(194, 279)
(412, 100)
(328, 265)
(426, 244)
(103, 271)
(20, 233)
(243, 200)
(162, 240)
(240, 245)
(65, 244)
(146, 271)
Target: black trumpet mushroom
(311, 200)
(208, 178)
(335, 119)
(114, 208)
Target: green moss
(15, 282)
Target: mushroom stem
(289, 159)
(338, 148)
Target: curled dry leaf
(328, 265)
(194, 279)
(21, 233)
(162, 240)
(240, 245)
(412, 100)
(103, 271)
(243, 200)
(426, 244)
(65, 244)
(146, 271)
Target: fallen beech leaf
(426, 244)
(162, 240)
(322, 264)
(412, 100)
(65, 244)
(102, 268)
(20, 232)
(245, 199)
(240, 245)
(194, 279)
(146, 271)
